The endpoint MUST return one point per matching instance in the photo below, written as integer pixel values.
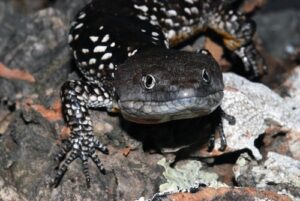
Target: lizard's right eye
(148, 81)
(205, 76)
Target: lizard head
(161, 85)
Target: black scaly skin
(106, 33)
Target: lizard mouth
(158, 112)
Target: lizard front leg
(218, 126)
(77, 98)
(237, 32)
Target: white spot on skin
(142, 8)
(106, 101)
(83, 63)
(81, 16)
(92, 61)
(141, 17)
(111, 66)
(75, 146)
(130, 54)
(189, 1)
(73, 23)
(166, 43)
(100, 48)
(134, 51)
(171, 34)
(79, 26)
(234, 18)
(92, 71)
(101, 66)
(97, 91)
(78, 89)
(74, 107)
(113, 44)
(188, 11)
(85, 51)
(195, 10)
(93, 98)
(153, 17)
(106, 95)
(105, 38)
(154, 22)
(70, 112)
(70, 38)
(75, 54)
(143, 30)
(76, 36)
(78, 115)
(155, 34)
(169, 21)
(100, 98)
(163, 9)
(172, 13)
(94, 38)
(101, 27)
(106, 56)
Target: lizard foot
(81, 146)
(231, 120)
(252, 60)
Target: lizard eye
(205, 76)
(148, 81)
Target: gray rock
(277, 173)
(255, 108)
(279, 32)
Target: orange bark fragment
(215, 49)
(65, 132)
(223, 193)
(15, 74)
(50, 114)
(252, 5)
(126, 151)
(217, 52)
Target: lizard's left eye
(148, 81)
(205, 76)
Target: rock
(293, 85)
(9, 193)
(255, 108)
(40, 49)
(277, 173)
(278, 41)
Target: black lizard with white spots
(121, 47)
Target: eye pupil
(205, 76)
(149, 81)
